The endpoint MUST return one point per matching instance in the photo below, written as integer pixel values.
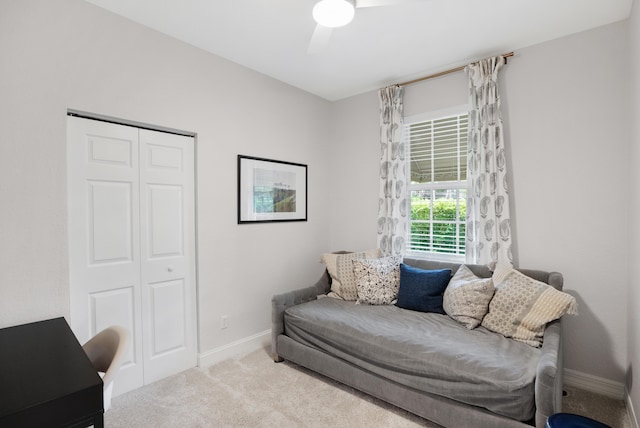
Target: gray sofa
(468, 402)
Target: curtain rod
(442, 73)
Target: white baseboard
(595, 384)
(630, 410)
(235, 349)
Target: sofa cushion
(423, 351)
(421, 290)
(340, 267)
(377, 280)
(522, 306)
(467, 297)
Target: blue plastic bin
(568, 420)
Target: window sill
(440, 257)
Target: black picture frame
(271, 190)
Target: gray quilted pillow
(466, 298)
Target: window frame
(458, 110)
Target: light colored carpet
(253, 391)
(604, 409)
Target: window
(438, 156)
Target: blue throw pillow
(421, 290)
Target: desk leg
(99, 420)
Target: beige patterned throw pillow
(340, 267)
(522, 306)
(377, 280)
(466, 298)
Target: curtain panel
(488, 219)
(393, 203)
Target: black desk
(46, 379)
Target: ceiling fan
(330, 14)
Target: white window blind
(438, 154)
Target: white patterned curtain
(488, 220)
(393, 204)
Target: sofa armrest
(280, 302)
(549, 375)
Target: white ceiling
(381, 46)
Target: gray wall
(71, 54)
(565, 103)
(567, 121)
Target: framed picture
(271, 190)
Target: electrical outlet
(224, 322)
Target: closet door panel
(104, 235)
(114, 307)
(168, 252)
(166, 223)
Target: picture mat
(285, 181)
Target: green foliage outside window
(448, 234)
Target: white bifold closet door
(132, 243)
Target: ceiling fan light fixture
(333, 13)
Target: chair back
(106, 351)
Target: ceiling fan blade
(376, 3)
(319, 39)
